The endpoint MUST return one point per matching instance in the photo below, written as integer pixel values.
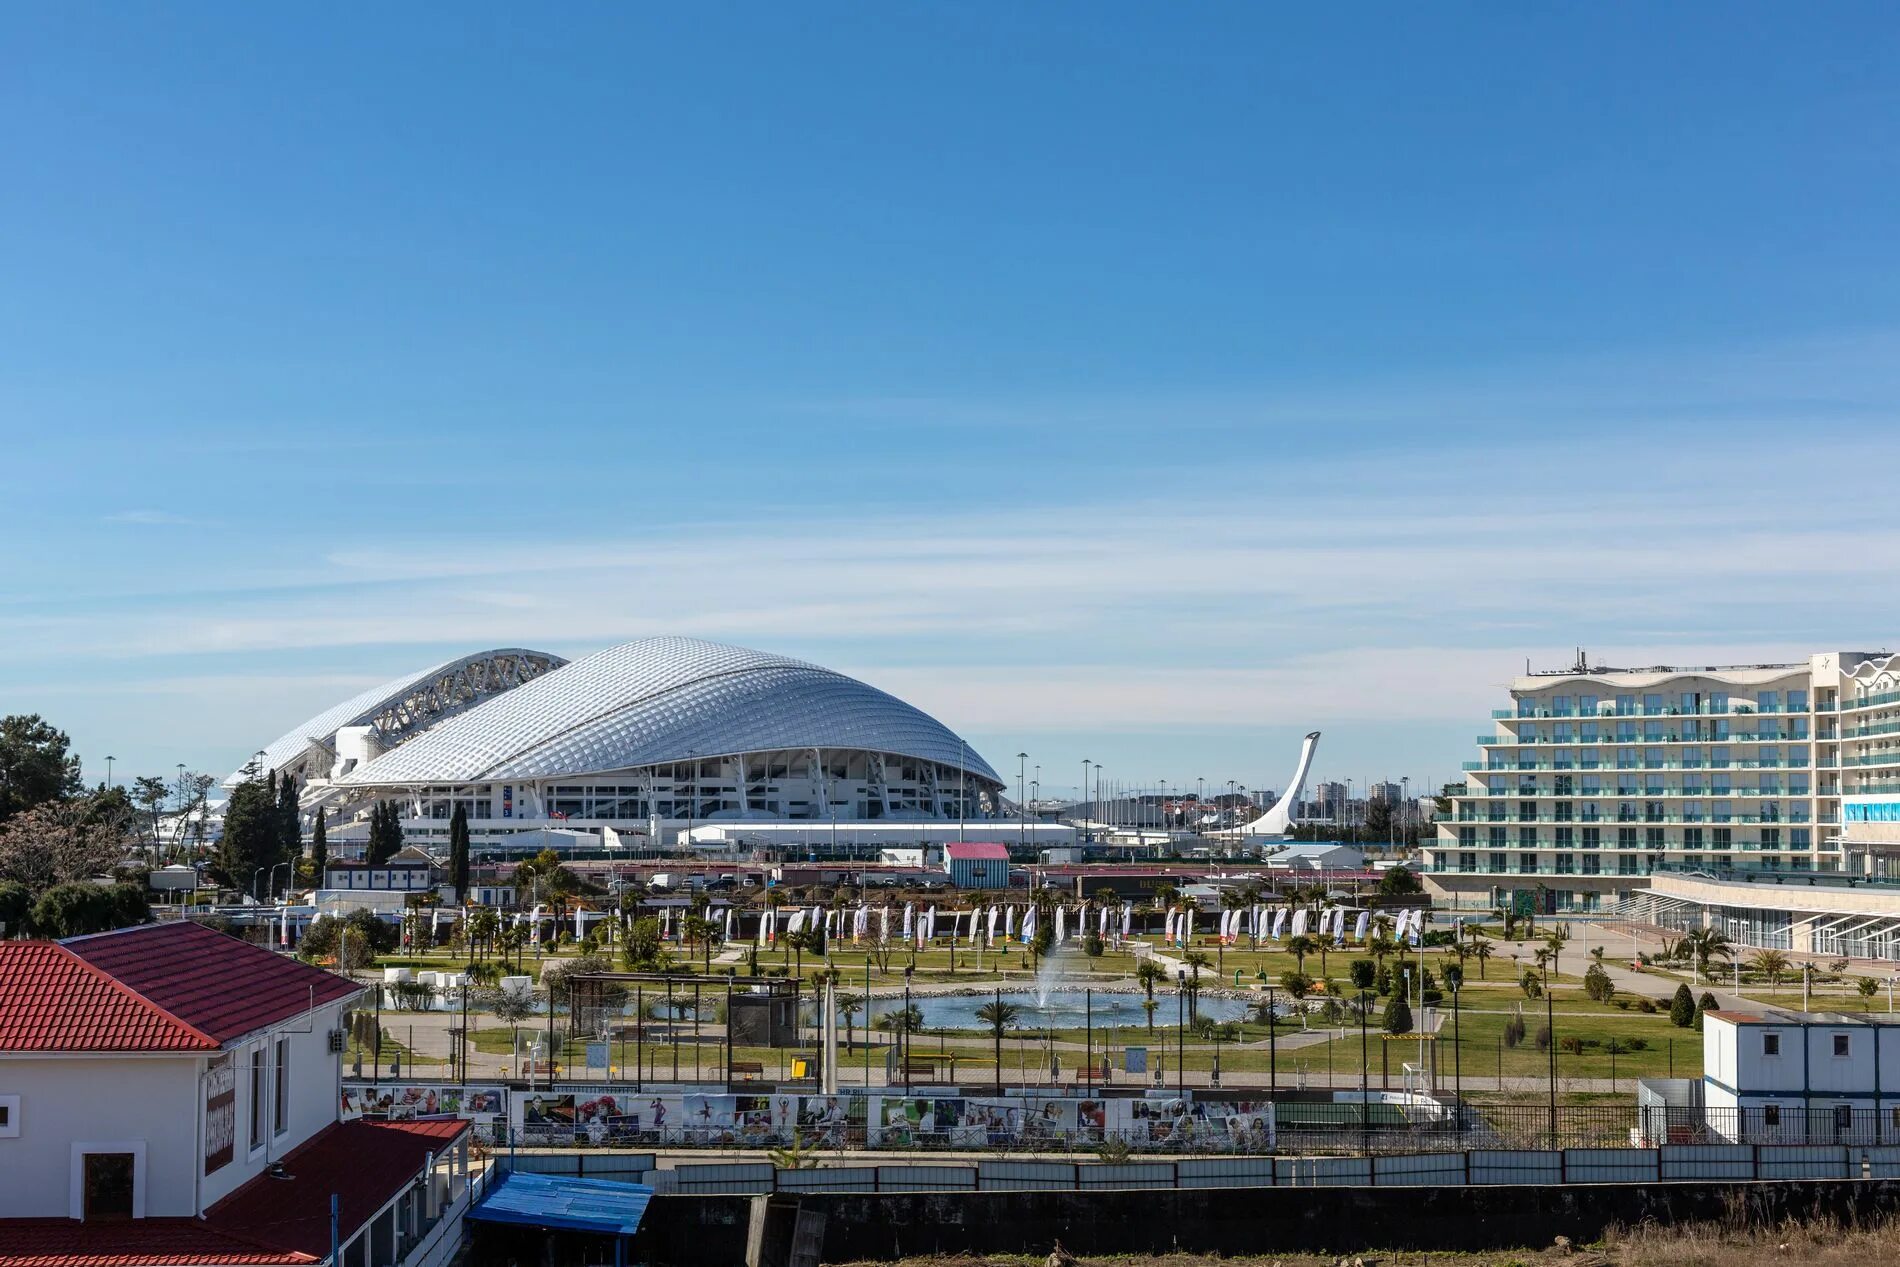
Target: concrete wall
(696, 1231)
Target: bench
(750, 1070)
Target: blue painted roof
(599, 1206)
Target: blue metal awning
(557, 1202)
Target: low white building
(1318, 857)
(1801, 1077)
(170, 1093)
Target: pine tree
(319, 849)
(458, 852)
(1398, 1015)
(250, 835)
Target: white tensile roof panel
(660, 700)
(359, 708)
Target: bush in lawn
(1682, 1008)
(1532, 987)
(1597, 984)
(1513, 1031)
(1543, 1038)
(1573, 1045)
(1621, 1002)
(1646, 1006)
(1635, 1044)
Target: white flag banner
(1128, 917)
(1029, 925)
(1062, 924)
(1299, 922)
(1418, 926)
(1101, 927)
(609, 838)
(1279, 923)
(1167, 929)
(1187, 926)
(993, 914)
(907, 919)
(1009, 923)
(1359, 926)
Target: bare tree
(54, 843)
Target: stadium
(649, 739)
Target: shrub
(1636, 1044)
(1532, 987)
(1573, 1045)
(1646, 1006)
(1621, 1002)
(1543, 1038)
(1597, 984)
(1682, 1012)
(1513, 1031)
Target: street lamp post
(1022, 799)
(109, 760)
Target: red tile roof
(136, 1243)
(365, 1163)
(975, 851)
(213, 982)
(52, 1000)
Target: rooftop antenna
(1583, 661)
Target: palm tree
(1481, 951)
(902, 1020)
(849, 1005)
(1147, 972)
(1556, 939)
(1706, 945)
(999, 1016)
(1300, 947)
(1195, 961)
(1770, 964)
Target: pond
(1060, 1009)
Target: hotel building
(1598, 784)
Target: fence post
(1467, 1156)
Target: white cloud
(148, 518)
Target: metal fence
(1670, 1163)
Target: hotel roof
(174, 987)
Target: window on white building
(1771, 1044)
(257, 1097)
(1771, 1115)
(1841, 1045)
(280, 1097)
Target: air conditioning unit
(336, 1042)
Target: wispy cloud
(149, 518)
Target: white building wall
(147, 1104)
(316, 1087)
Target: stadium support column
(818, 782)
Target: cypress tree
(289, 826)
(1398, 1015)
(319, 848)
(385, 832)
(458, 853)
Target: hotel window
(1654, 837)
(1724, 837)
(1467, 835)
(1626, 706)
(1771, 1044)
(1561, 811)
(1653, 704)
(1800, 837)
(1797, 701)
(1565, 837)
(1771, 838)
(1500, 863)
(1768, 702)
(1467, 862)
(280, 1101)
(1718, 701)
(1719, 758)
(1692, 838)
(1592, 837)
(1499, 837)
(1586, 706)
(1527, 864)
(1527, 811)
(1592, 865)
(1527, 838)
(1653, 731)
(1566, 864)
(257, 1096)
(1626, 838)
(1561, 705)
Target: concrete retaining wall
(709, 1231)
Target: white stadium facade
(650, 739)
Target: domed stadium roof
(662, 700)
(401, 707)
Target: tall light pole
(109, 760)
(963, 785)
(1022, 802)
(1083, 799)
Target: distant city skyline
(1109, 384)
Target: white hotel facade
(1601, 785)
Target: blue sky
(1142, 384)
